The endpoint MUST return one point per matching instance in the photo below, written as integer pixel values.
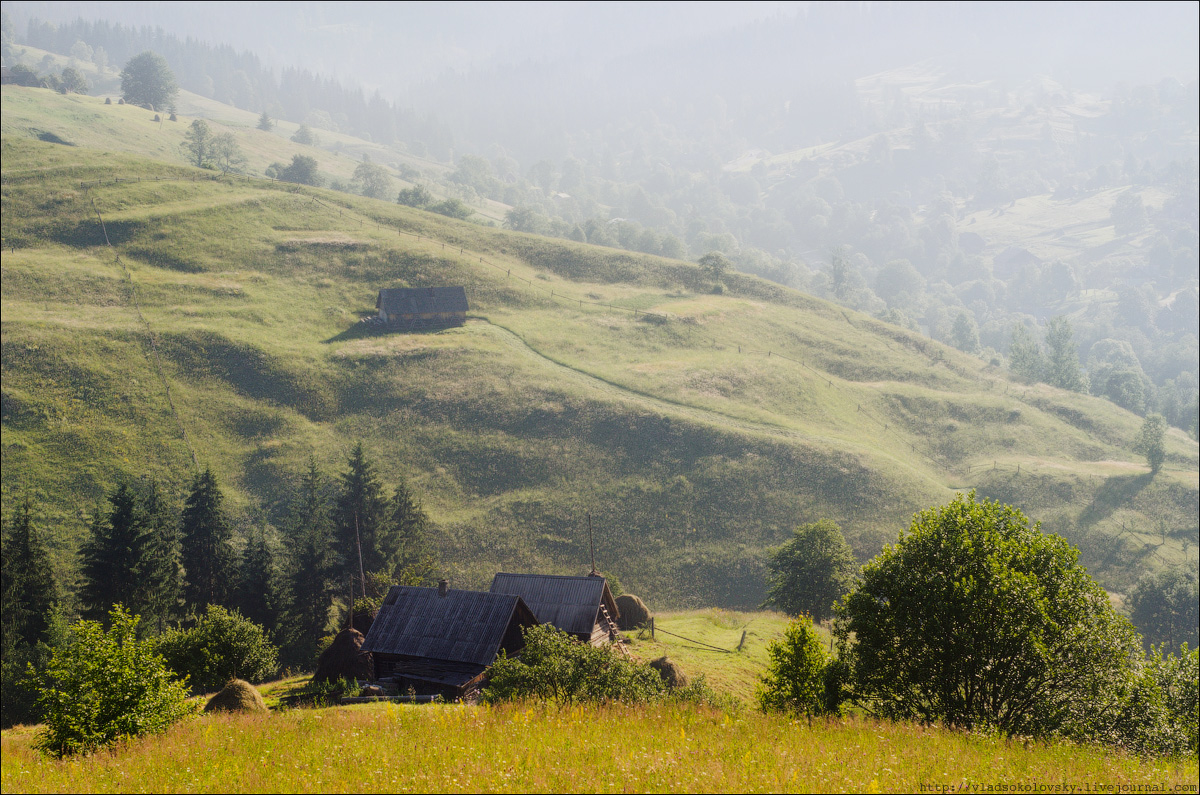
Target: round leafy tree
(975, 618)
(811, 571)
(105, 686)
(147, 80)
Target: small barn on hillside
(442, 641)
(422, 307)
(581, 606)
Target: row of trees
(170, 565)
(978, 620)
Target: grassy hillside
(696, 436)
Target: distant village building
(422, 307)
(580, 606)
(441, 641)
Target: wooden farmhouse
(580, 606)
(442, 641)
(422, 307)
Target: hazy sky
(393, 46)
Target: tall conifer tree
(311, 568)
(208, 558)
(114, 556)
(259, 592)
(160, 572)
(363, 520)
(29, 587)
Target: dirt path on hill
(646, 401)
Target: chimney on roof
(443, 587)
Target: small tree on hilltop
(713, 265)
(147, 80)
(105, 686)
(811, 571)
(265, 122)
(198, 142)
(976, 619)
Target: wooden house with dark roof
(422, 307)
(580, 606)
(441, 640)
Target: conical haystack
(237, 696)
(633, 612)
(671, 673)
(343, 660)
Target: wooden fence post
(651, 627)
(742, 642)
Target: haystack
(343, 659)
(237, 696)
(363, 620)
(633, 612)
(672, 675)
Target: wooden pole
(742, 642)
(591, 543)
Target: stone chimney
(443, 587)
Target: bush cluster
(105, 686)
(222, 646)
(555, 667)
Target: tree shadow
(1117, 492)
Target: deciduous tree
(811, 571)
(147, 80)
(976, 618)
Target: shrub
(105, 686)
(555, 667)
(222, 646)
(797, 673)
(325, 693)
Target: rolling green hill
(696, 428)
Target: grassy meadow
(696, 437)
(530, 747)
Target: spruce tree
(363, 520)
(208, 557)
(29, 587)
(410, 525)
(259, 596)
(114, 556)
(160, 573)
(311, 567)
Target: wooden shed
(422, 307)
(441, 640)
(581, 606)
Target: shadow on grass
(1117, 492)
(357, 332)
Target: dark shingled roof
(418, 300)
(569, 603)
(462, 626)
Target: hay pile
(343, 659)
(633, 612)
(672, 675)
(237, 696)
(363, 620)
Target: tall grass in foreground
(522, 747)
